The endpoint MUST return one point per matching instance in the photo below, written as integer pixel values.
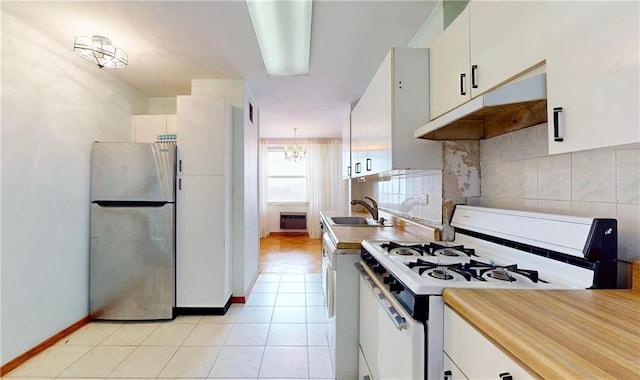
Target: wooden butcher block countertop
(559, 334)
(349, 237)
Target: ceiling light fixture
(283, 30)
(99, 50)
(294, 152)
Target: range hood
(506, 109)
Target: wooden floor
(290, 253)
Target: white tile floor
(280, 333)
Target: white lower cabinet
(203, 259)
(451, 370)
(473, 356)
(363, 368)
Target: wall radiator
(293, 220)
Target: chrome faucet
(373, 209)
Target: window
(287, 180)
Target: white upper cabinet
(450, 67)
(506, 38)
(203, 132)
(359, 143)
(172, 124)
(395, 102)
(346, 149)
(592, 74)
(147, 127)
(488, 44)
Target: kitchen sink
(357, 221)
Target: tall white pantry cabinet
(204, 197)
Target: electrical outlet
(423, 199)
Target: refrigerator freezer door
(132, 263)
(133, 172)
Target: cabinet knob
(505, 376)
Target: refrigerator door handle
(180, 184)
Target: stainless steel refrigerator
(132, 250)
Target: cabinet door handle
(556, 124)
(366, 377)
(358, 170)
(474, 76)
(462, 90)
(180, 165)
(180, 184)
(349, 170)
(368, 164)
(448, 375)
(505, 376)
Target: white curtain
(264, 220)
(324, 181)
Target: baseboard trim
(243, 299)
(18, 361)
(203, 310)
(289, 233)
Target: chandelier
(99, 50)
(294, 152)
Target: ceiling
(171, 42)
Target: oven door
(392, 343)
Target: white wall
(54, 105)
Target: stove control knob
(387, 279)
(379, 269)
(396, 287)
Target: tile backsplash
(517, 173)
(417, 195)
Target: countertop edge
(538, 353)
(350, 237)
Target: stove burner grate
(502, 273)
(440, 271)
(404, 251)
(429, 249)
(440, 274)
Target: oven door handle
(398, 320)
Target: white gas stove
(493, 248)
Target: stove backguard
(600, 251)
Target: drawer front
(463, 343)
